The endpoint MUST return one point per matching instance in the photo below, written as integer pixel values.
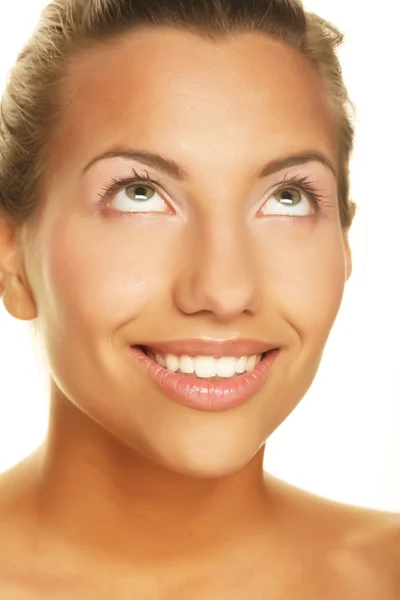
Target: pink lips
(201, 347)
(203, 394)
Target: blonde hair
(31, 104)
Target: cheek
(99, 275)
(307, 274)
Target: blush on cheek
(95, 277)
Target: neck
(97, 492)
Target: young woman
(174, 205)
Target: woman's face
(218, 254)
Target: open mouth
(206, 382)
(205, 367)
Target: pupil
(138, 192)
(287, 196)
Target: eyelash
(119, 184)
(303, 183)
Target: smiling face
(219, 244)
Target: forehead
(173, 88)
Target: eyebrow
(173, 169)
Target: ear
(347, 249)
(6, 250)
(14, 287)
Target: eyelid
(304, 184)
(124, 182)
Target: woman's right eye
(138, 197)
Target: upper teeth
(207, 366)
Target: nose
(221, 273)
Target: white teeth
(186, 364)
(206, 367)
(160, 360)
(172, 362)
(251, 363)
(241, 364)
(226, 367)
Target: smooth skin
(133, 495)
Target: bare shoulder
(16, 523)
(372, 551)
(17, 485)
(360, 546)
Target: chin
(212, 459)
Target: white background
(342, 441)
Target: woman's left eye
(288, 201)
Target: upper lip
(203, 347)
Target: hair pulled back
(31, 103)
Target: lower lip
(206, 394)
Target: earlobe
(17, 298)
